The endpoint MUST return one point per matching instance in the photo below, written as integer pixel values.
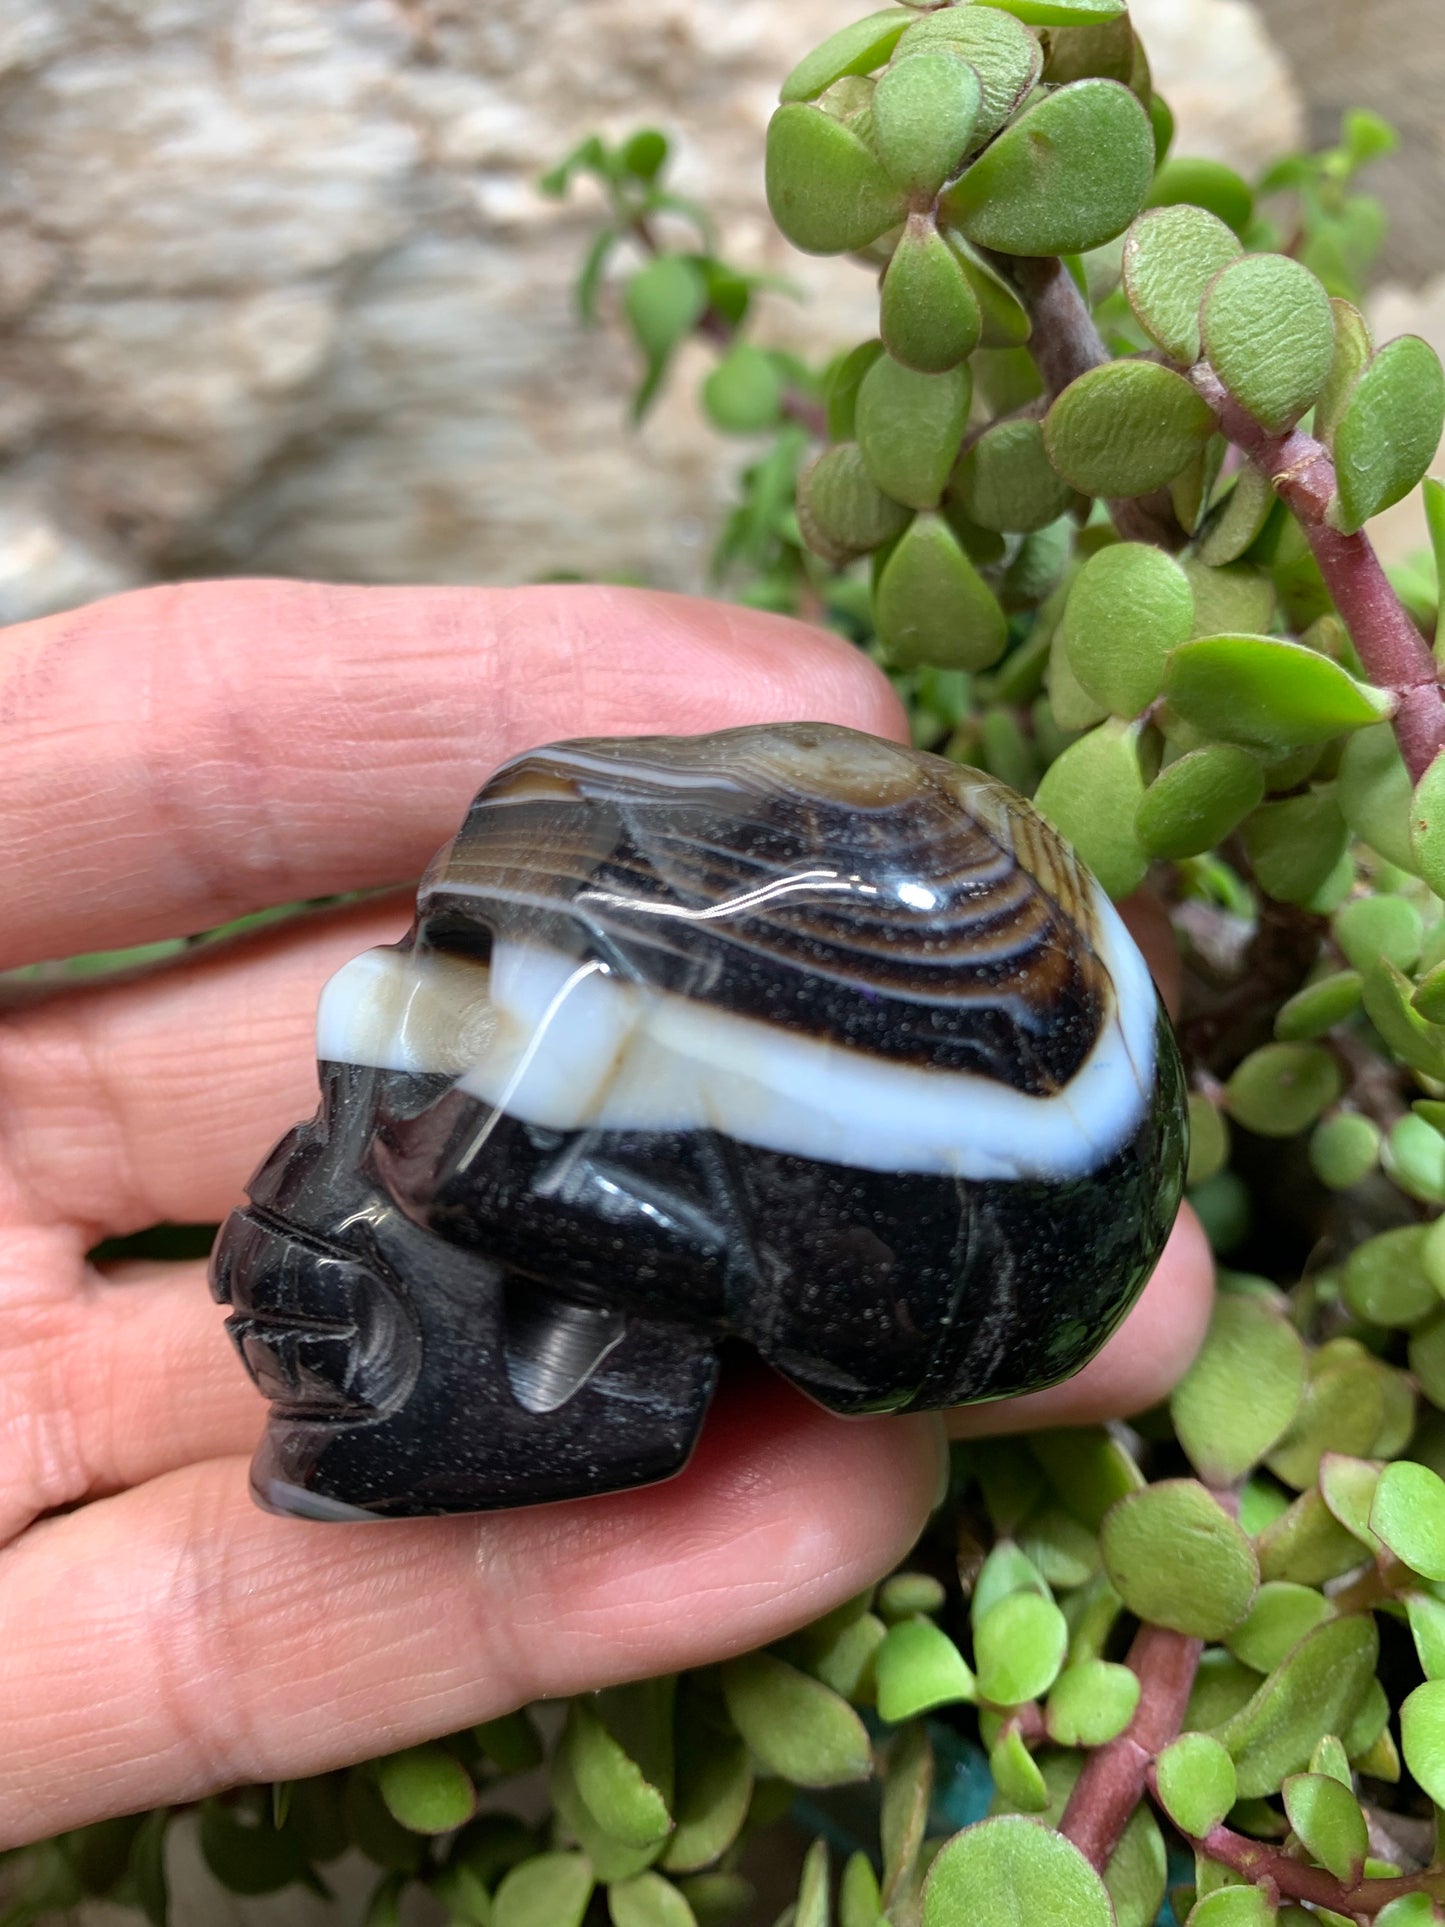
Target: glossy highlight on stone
(784, 1035)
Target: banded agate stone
(783, 1035)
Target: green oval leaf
(842, 512)
(1269, 333)
(1177, 1559)
(1345, 1150)
(714, 1790)
(1005, 319)
(928, 313)
(1170, 257)
(1390, 430)
(1408, 1515)
(1306, 1544)
(1006, 481)
(1331, 1828)
(1384, 1280)
(909, 428)
(551, 1890)
(1422, 1737)
(1354, 349)
(1315, 1691)
(797, 1728)
(1281, 1089)
(1267, 694)
(1091, 1703)
(1375, 794)
(427, 1789)
(1196, 1782)
(856, 49)
(1060, 13)
(1241, 1393)
(1278, 1620)
(1209, 185)
(1193, 804)
(1126, 428)
(1006, 57)
(827, 190)
(1129, 606)
(1019, 1646)
(925, 108)
(744, 392)
(1069, 174)
(919, 1667)
(1091, 795)
(1296, 845)
(932, 605)
(1427, 826)
(664, 302)
(1003, 1872)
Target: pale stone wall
(277, 292)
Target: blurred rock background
(278, 293)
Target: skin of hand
(175, 758)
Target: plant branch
(1115, 1778)
(1261, 1862)
(1065, 344)
(1394, 653)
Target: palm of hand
(174, 759)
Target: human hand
(173, 759)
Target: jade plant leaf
(1384, 1280)
(1427, 825)
(855, 49)
(1306, 1544)
(1197, 1782)
(1129, 606)
(928, 311)
(1241, 1393)
(1375, 794)
(1269, 333)
(1389, 430)
(1408, 1516)
(1006, 57)
(909, 427)
(647, 1900)
(1314, 1691)
(1088, 1468)
(925, 108)
(1194, 804)
(744, 392)
(1296, 844)
(1267, 694)
(1005, 321)
(1019, 1647)
(427, 1789)
(842, 512)
(794, 1725)
(1279, 1090)
(932, 605)
(550, 1890)
(1422, 1737)
(1171, 254)
(918, 1667)
(1091, 1702)
(1193, 181)
(1278, 1620)
(827, 190)
(1126, 428)
(1005, 1871)
(840, 391)
(1006, 482)
(1069, 174)
(1177, 1559)
(1091, 795)
(1354, 349)
(1015, 1773)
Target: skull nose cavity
(320, 1333)
(553, 1346)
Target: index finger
(177, 757)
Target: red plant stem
(1115, 1778)
(1394, 653)
(1257, 1860)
